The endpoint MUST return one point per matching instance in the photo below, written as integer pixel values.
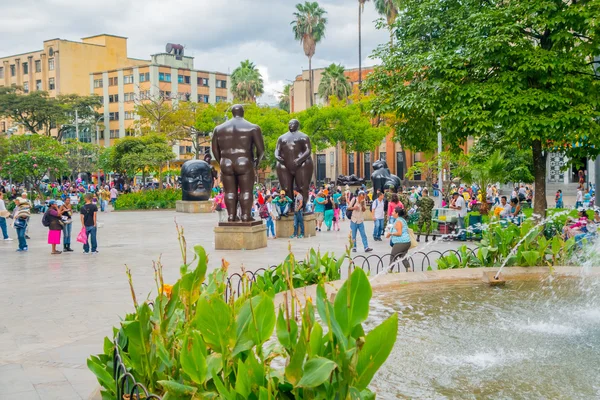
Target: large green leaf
(202, 263)
(316, 372)
(215, 321)
(316, 341)
(293, 371)
(263, 321)
(351, 303)
(242, 380)
(193, 357)
(178, 389)
(376, 349)
(104, 377)
(327, 314)
(532, 258)
(286, 337)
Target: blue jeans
(378, 229)
(283, 209)
(67, 234)
(360, 228)
(343, 208)
(3, 227)
(91, 235)
(270, 226)
(103, 205)
(298, 223)
(21, 237)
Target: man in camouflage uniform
(403, 197)
(426, 205)
(387, 197)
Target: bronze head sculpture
(238, 146)
(294, 162)
(196, 180)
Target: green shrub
(148, 199)
(189, 343)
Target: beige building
(170, 76)
(63, 66)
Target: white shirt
(460, 202)
(579, 196)
(378, 208)
(505, 209)
(2, 206)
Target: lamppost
(597, 163)
(98, 140)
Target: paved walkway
(56, 309)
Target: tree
(208, 117)
(334, 83)
(273, 123)
(80, 157)
(246, 82)
(389, 10)
(284, 98)
(36, 111)
(469, 68)
(451, 162)
(309, 29)
(77, 109)
(142, 154)
(159, 116)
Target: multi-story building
(63, 66)
(170, 76)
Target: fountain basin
(536, 337)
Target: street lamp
(98, 140)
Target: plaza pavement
(56, 309)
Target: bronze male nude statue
(233, 145)
(294, 164)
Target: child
(559, 199)
(336, 217)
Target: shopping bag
(413, 239)
(82, 237)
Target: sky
(218, 33)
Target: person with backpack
(88, 219)
(357, 220)
(52, 220)
(21, 215)
(219, 206)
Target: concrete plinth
(284, 227)
(240, 236)
(193, 207)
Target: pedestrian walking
(426, 205)
(270, 217)
(20, 217)
(66, 210)
(320, 201)
(357, 222)
(328, 214)
(298, 215)
(378, 210)
(3, 215)
(336, 217)
(219, 206)
(88, 220)
(113, 196)
(398, 234)
(52, 220)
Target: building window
(164, 77)
(38, 84)
(350, 163)
(400, 165)
(382, 155)
(129, 115)
(144, 95)
(184, 96)
(368, 166)
(202, 98)
(25, 68)
(145, 77)
(2, 126)
(180, 79)
(114, 133)
(97, 83)
(220, 99)
(51, 64)
(129, 132)
(113, 116)
(38, 65)
(26, 87)
(113, 98)
(113, 81)
(12, 70)
(166, 95)
(187, 80)
(127, 79)
(202, 82)
(129, 96)
(221, 84)
(51, 84)
(1, 72)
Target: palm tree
(361, 8)
(334, 83)
(389, 10)
(309, 29)
(246, 81)
(284, 98)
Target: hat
(59, 203)
(51, 202)
(361, 192)
(20, 200)
(282, 192)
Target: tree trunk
(539, 173)
(310, 80)
(359, 46)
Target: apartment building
(63, 66)
(169, 75)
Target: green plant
(148, 199)
(189, 343)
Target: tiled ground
(56, 309)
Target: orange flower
(166, 290)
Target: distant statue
(196, 180)
(382, 178)
(351, 180)
(294, 162)
(234, 144)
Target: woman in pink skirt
(53, 221)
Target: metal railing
(127, 386)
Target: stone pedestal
(240, 236)
(193, 207)
(284, 227)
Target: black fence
(237, 283)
